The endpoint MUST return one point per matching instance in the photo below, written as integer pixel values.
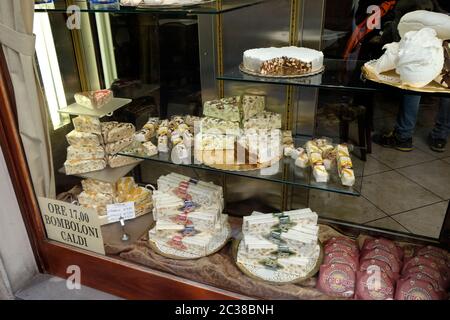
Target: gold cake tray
(217, 159)
(293, 76)
(167, 251)
(391, 78)
(278, 277)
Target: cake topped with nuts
(283, 61)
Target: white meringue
(420, 57)
(417, 20)
(388, 60)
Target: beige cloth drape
(18, 41)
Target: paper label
(117, 211)
(71, 224)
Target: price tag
(117, 211)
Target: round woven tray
(175, 254)
(246, 271)
(392, 79)
(293, 76)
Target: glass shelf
(286, 172)
(79, 110)
(212, 7)
(338, 74)
(111, 175)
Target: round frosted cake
(283, 61)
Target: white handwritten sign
(117, 211)
(72, 224)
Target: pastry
(283, 61)
(80, 139)
(95, 199)
(115, 131)
(84, 166)
(253, 105)
(94, 99)
(97, 186)
(87, 124)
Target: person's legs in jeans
(441, 130)
(407, 117)
(401, 137)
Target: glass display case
(163, 62)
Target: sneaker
(437, 145)
(390, 140)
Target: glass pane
(209, 7)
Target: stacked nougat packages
(119, 137)
(238, 122)
(85, 152)
(285, 241)
(98, 194)
(188, 214)
(94, 145)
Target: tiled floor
(406, 192)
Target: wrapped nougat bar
(87, 124)
(80, 139)
(83, 166)
(85, 153)
(115, 131)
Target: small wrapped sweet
(115, 131)
(116, 161)
(345, 166)
(320, 173)
(297, 153)
(163, 143)
(288, 149)
(94, 198)
(163, 131)
(188, 139)
(315, 158)
(83, 166)
(176, 137)
(87, 124)
(148, 130)
(97, 186)
(302, 161)
(150, 149)
(118, 146)
(85, 153)
(94, 99)
(80, 139)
